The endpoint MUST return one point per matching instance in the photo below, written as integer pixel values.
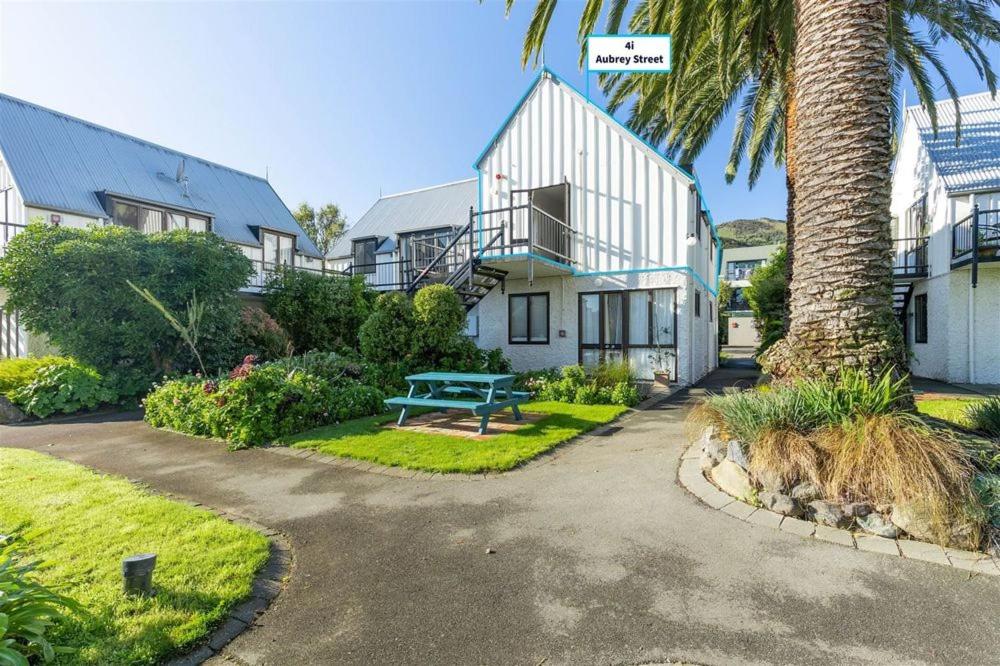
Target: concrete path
(600, 558)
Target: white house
(738, 264)
(61, 170)
(575, 242)
(946, 219)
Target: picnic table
(481, 394)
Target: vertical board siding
(628, 207)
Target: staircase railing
(442, 259)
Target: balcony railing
(7, 232)
(910, 258)
(978, 232)
(527, 229)
(739, 273)
(264, 269)
(385, 275)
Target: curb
(691, 478)
(267, 585)
(545, 458)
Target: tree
(323, 227)
(72, 285)
(767, 298)
(744, 50)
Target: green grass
(367, 439)
(947, 409)
(81, 524)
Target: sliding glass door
(636, 325)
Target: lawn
(947, 409)
(81, 524)
(367, 439)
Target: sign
(628, 53)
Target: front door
(601, 328)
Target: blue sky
(337, 101)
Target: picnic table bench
(481, 394)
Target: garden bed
(373, 439)
(82, 524)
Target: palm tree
(726, 51)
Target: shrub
(494, 362)
(27, 608)
(261, 336)
(258, 406)
(535, 381)
(71, 285)
(338, 369)
(440, 314)
(984, 416)
(319, 312)
(18, 372)
(386, 336)
(625, 393)
(609, 384)
(64, 386)
(766, 298)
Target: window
(278, 250)
(697, 303)
(920, 318)
(364, 255)
(528, 319)
(916, 219)
(636, 326)
(741, 270)
(154, 220)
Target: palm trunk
(841, 289)
(790, 126)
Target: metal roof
(749, 253)
(974, 164)
(434, 207)
(64, 163)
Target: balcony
(526, 241)
(264, 269)
(910, 258)
(976, 236)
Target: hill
(758, 231)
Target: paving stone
(876, 544)
(247, 612)
(834, 535)
(227, 632)
(740, 510)
(199, 656)
(967, 555)
(765, 518)
(921, 550)
(692, 452)
(716, 499)
(982, 565)
(796, 526)
(265, 589)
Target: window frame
(165, 211)
(527, 312)
(368, 269)
(697, 304)
(627, 343)
(920, 318)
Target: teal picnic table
(481, 394)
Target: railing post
(975, 245)
(471, 235)
(531, 238)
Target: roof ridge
(425, 189)
(130, 137)
(949, 101)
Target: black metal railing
(978, 231)
(910, 258)
(384, 275)
(528, 229)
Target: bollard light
(137, 573)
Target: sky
(334, 102)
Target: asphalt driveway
(600, 558)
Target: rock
(9, 412)
(715, 448)
(877, 524)
(706, 462)
(769, 480)
(857, 509)
(827, 513)
(735, 453)
(914, 522)
(779, 503)
(732, 478)
(806, 492)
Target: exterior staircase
(902, 292)
(471, 280)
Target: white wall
(630, 208)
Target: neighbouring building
(61, 170)
(738, 263)
(576, 242)
(946, 224)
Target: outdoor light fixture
(137, 574)
(692, 240)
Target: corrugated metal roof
(63, 163)
(444, 205)
(974, 164)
